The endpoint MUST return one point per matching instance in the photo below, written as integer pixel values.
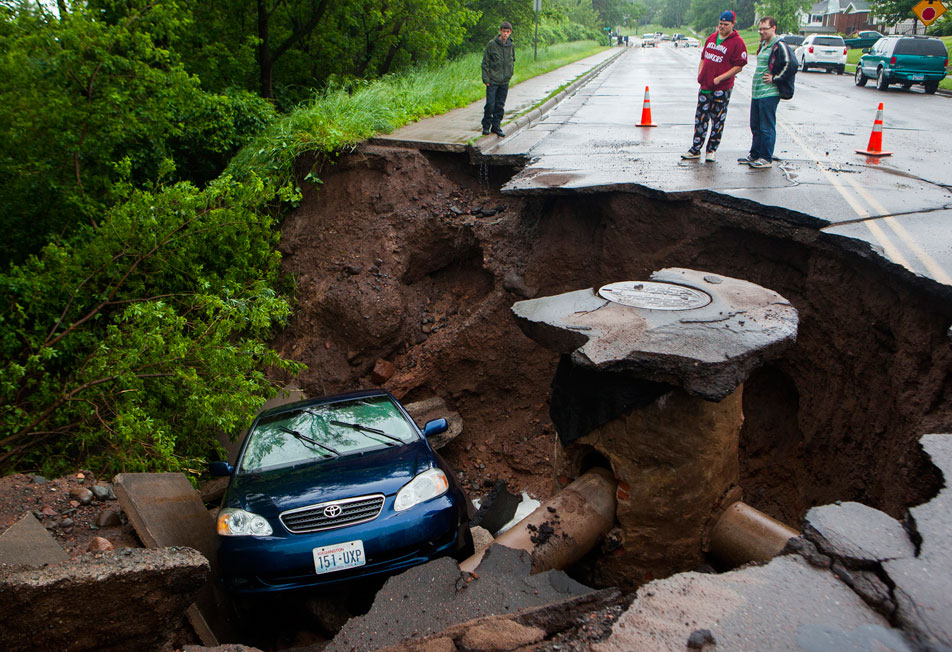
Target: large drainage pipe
(743, 534)
(565, 527)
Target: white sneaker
(690, 156)
(761, 163)
(710, 157)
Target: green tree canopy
(787, 13)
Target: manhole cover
(654, 296)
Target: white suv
(822, 51)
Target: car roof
(325, 400)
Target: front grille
(314, 518)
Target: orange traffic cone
(646, 112)
(875, 147)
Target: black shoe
(485, 131)
(499, 132)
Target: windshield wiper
(361, 428)
(297, 435)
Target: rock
(382, 372)
(500, 634)
(49, 511)
(38, 479)
(100, 544)
(701, 639)
(514, 283)
(353, 270)
(108, 518)
(482, 538)
(82, 494)
(103, 492)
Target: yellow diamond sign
(928, 11)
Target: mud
(395, 258)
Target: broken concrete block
(382, 372)
(140, 597)
(482, 538)
(501, 585)
(784, 605)
(28, 543)
(857, 534)
(922, 583)
(435, 408)
(165, 511)
(686, 328)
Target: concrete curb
(486, 144)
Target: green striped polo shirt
(761, 88)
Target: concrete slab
(28, 543)
(708, 349)
(922, 583)
(427, 599)
(166, 511)
(857, 533)
(783, 606)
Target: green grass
(337, 119)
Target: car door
(873, 58)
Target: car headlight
(429, 484)
(234, 522)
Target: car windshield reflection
(321, 432)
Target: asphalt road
(901, 204)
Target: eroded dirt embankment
(403, 256)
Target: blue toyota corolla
(333, 489)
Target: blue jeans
(763, 126)
(495, 105)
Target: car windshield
(325, 431)
(921, 47)
(829, 40)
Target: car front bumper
(394, 541)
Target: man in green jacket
(498, 63)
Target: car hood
(383, 471)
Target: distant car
(905, 60)
(665, 37)
(822, 51)
(333, 489)
(862, 40)
(650, 41)
(793, 40)
(691, 43)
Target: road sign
(537, 5)
(928, 11)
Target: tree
(786, 12)
(893, 11)
(675, 13)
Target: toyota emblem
(332, 511)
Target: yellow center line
(881, 237)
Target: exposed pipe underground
(743, 534)
(565, 527)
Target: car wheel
(841, 70)
(803, 65)
(931, 87)
(881, 83)
(859, 78)
(906, 86)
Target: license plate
(339, 556)
(917, 77)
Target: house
(843, 16)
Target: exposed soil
(411, 258)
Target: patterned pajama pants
(711, 107)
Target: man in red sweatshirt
(722, 57)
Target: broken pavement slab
(428, 599)
(709, 348)
(127, 599)
(166, 511)
(28, 543)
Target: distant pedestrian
(499, 61)
(774, 66)
(723, 56)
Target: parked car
(905, 60)
(822, 51)
(862, 40)
(334, 489)
(691, 43)
(650, 41)
(793, 40)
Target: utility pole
(537, 4)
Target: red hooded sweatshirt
(718, 59)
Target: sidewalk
(450, 132)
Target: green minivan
(905, 60)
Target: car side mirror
(220, 469)
(435, 427)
